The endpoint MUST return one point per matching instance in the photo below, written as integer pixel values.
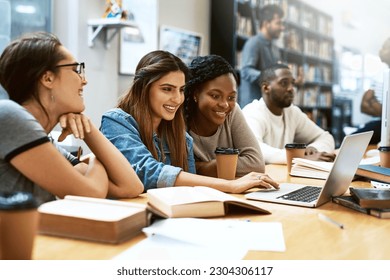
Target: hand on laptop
(252, 180)
(313, 154)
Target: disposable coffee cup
(18, 227)
(226, 162)
(294, 150)
(384, 156)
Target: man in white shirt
(372, 99)
(275, 121)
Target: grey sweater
(234, 133)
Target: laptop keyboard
(305, 194)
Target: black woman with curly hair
(214, 118)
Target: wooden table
(307, 237)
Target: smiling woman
(148, 128)
(165, 97)
(45, 88)
(215, 120)
(148, 125)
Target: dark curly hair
(202, 70)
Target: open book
(310, 168)
(196, 202)
(93, 219)
(318, 169)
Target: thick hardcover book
(350, 202)
(93, 219)
(371, 198)
(374, 172)
(380, 213)
(196, 202)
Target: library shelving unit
(306, 46)
(232, 23)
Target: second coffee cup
(294, 150)
(384, 156)
(226, 162)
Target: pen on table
(326, 218)
(79, 152)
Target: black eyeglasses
(80, 68)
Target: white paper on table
(257, 236)
(158, 247)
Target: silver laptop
(344, 168)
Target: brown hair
(152, 67)
(24, 61)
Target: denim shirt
(123, 131)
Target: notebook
(344, 168)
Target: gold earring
(53, 98)
(196, 100)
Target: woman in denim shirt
(148, 128)
(124, 132)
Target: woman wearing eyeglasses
(45, 87)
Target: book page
(303, 171)
(320, 165)
(187, 195)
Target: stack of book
(371, 201)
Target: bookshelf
(342, 117)
(232, 23)
(306, 46)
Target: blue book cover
(374, 172)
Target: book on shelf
(371, 197)
(349, 202)
(374, 172)
(196, 202)
(93, 219)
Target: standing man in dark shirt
(259, 52)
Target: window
(22, 16)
